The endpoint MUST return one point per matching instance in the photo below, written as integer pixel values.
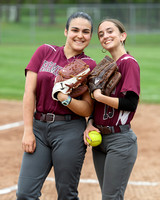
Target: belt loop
(43, 117)
(68, 117)
(125, 127)
(112, 129)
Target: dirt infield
(144, 183)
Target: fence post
(33, 23)
(133, 23)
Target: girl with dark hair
(114, 158)
(53, 130)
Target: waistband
(50, 117)
(105, 130)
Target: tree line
(74, 1)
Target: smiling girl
(114, 158)
(53, 133)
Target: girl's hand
(96, 94)
(61, 96)
(89, 128)
(29, 142)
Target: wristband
(90, 117)
(67, 101)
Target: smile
(79, 41)
(107, 42)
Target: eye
(86, 31)
(74, 30)
(100, 35)
(110, 31)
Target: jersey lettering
(50, 67)
(107, 113)
(123, 117)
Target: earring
(103, 50)
(122, 42)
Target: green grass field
(15, 55)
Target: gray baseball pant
(59, 144)
(113, 161)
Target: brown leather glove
(104, 76)
(72, 79)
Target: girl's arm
(28, 140)
(83, 107)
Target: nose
(80, 34)
(105, 35)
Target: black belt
(113, 129)
(50, 117)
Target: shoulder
(46, 49)
(49, 47)
(128, 57)
(127, 61)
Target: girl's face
(78, 34)
(110, 36)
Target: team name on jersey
(51, 67)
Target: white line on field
(8, 190)
(92, 181)
(12, 125)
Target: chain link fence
(33, 23)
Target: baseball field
(15, 57)
(144, 183)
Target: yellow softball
(96, 138)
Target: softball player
(114, 158)
(53, 130)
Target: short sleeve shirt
(130, 81)
(46, 62)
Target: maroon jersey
(46, 62)
(130, 81)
